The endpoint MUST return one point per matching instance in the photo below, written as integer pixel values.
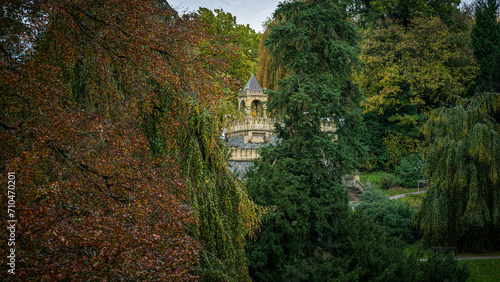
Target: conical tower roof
(253, 84)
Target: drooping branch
(87, 171)
(11, 127)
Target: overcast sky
(252, 12)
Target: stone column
(356, 176)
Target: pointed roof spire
(253, 84)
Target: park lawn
(399, 190)
(374, 177)
(415, 201)
(375, 180)
(418, 249)
(484, 270)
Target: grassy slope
(481, 269)
(484, 270)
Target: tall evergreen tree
(485, 38)
(300, 176)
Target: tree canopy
(426, 65)
(240, 42)
(485, 38)
(408, 71)
(461, 207)
(299, 177)
(100, 101)
(376, 12)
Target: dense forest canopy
(111, 115)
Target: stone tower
(254, 130)
(256, 127)
(251, 99)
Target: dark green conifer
(485, 39)
(299, 178)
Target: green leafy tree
(374, 12)
(409, 170)
(372, 138)
(485, 38)
(367, 254)
(300, 176)
(425, 65)
(461, 207)
(241, 43)
(408, 71)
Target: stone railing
(262, 124)
(328, 126)
(243, 154)
(249, 92)
(267, 124)
(354, 182)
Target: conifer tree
(462, 162)
(300, 176)
(485, 38)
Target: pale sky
(252, 12)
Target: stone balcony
(246, 136)
(263, 124)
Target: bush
(388, 180)
(365, 254)
(444, 268)
(395, 218)
(372, 196)
(409, 169)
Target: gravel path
(403, 195)
(472, 258)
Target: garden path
(472, 258)
(403, 195)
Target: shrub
(409, 170)
(394, 217)
(388, 180)
(444, 268)
(372, 196)
(367, 255)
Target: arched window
(242, 107)
(256, 109)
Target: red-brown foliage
(92, 199)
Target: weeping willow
(225, 213)
(269, 71)
(462, 162)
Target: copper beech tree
(85, 86)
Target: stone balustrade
(260, 124)
(267, 124)
(243, 154)
(257, 131)
(328, 126)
